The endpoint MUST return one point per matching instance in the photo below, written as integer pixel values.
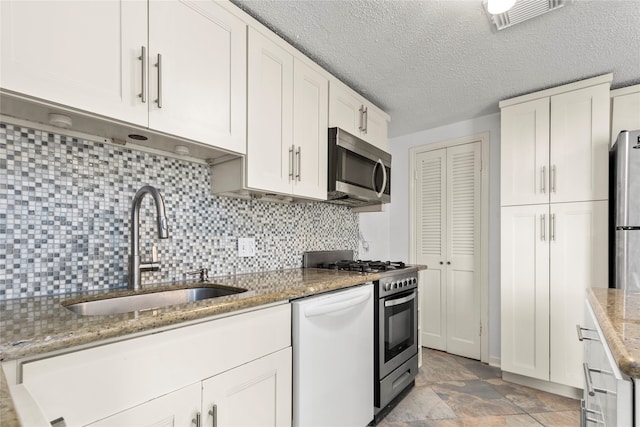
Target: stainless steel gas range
(395, 323)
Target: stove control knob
(405, 283)
(387, 286)
(395, 285)
(415, 280)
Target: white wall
(388, 232)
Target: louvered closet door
(463, 241)
(448, 238)
(431, 232)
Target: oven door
(397, 329)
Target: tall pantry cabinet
(554, 190)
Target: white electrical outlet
(246, 246)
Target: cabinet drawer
(87, 385)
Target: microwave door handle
(384, 178)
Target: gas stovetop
(367, 266)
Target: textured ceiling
(431, 63)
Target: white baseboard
(494, 361)
(548, 386)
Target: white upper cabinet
(525, 153)
(287, 136)
(579, 154)
(351, 112)
(625, 110)
(554, 148)
(174, 67)
(310, 131)
(270, 98)
(92, 63)
(197, 73)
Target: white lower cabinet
(255, 394)
(240, 363)
(550, 255)
(608, 394)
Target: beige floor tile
(420, 404)
(558, 419)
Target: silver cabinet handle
(553, 178)
(361, 110)
(159, 67)
(579, 329)
(553, 227)
(587, 376)
(365, 116)
(298, 163)
(214, 413)
(196, 420)
(143, 57)
(291, 149)
(543, 180)
(543, 226)
(584, 419)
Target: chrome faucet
(136, 266)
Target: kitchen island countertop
(618, 313)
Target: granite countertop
(618, 313)
(34, 326)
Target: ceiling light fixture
(496, 7)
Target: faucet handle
(203, 273)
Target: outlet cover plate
(246, 246)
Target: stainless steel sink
(148, 301)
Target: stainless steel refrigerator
(625, 204)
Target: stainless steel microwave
(359, 173)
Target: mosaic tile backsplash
(65, 208)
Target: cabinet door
(524, 146)
(525, 290)
(198, 91)
(178, 408)
(376, 128)
(80, 54)
(255, 394)
(579, 158)
(270, 131)
(345, 109)
(625, 113)
(310, 123)
(578, 261)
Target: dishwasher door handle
(334, 306)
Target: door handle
(365, 119)
(543, 180)
(543, 226)
(291, 162)
(391, 303)
(553, 178)
(299, 163)
(553, 227)
(361, 110)
(143, 57)
(337, 306)
(214, 413)
(159, 67)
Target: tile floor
(455, 391)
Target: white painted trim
(605, 78)
(625, 90)
(485, 141)
(548, 386)
(495, 361)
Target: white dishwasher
(333, 359)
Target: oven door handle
(336, 306)
(391, 303)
